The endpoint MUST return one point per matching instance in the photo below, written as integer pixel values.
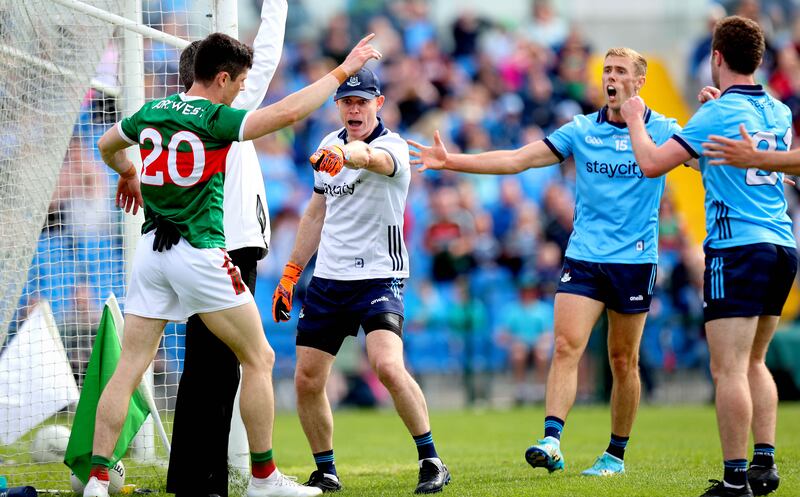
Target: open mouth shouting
(354, 123)
(611, 91)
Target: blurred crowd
(486, 251)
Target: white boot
(279, 485)
(96, 488)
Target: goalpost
(69, 69)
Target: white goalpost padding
(71, 68)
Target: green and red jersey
(184, 142)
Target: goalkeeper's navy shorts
(746, 281)
(334, 310)
(624, 288)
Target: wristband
(339, 74)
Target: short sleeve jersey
(616, 206)
(362, 236)
(184, 142)
(743, 206)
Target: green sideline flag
(103, 362)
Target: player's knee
(391, 372)
(306, 382)
(261, 359)
(757, 367)
(624, 363)
(727, 371)
(565, 349)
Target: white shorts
(182, 281)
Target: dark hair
(219, 52)
(186, 66)
(741, 43)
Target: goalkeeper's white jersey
(362, 237)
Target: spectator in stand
(558, 209)
(450, 236)
(545, 28)
(521, 243)
(699, 75)
(526, 331)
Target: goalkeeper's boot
(606, 465)
(545, 454)
(279, 485)
(718, 489)
(324, 481)
(96, 488)
(763, 479)
(433, 476)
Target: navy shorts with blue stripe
(746, 281)
(335, 309)
(624, 288)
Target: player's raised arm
(744, 154)
(653, 160)
(267, 48)
(536, 154)
(301, 103)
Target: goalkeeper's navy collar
(379, 130)
(602, 117)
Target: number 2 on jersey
(757, 177)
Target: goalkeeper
(355, 223)
(210, 375)
(184, 140)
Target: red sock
(262, 464)
(263, 469)
(99, 471)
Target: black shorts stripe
(395, 242)
(390, 241)
(722, 220)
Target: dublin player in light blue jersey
(750, 251)
(611, 258)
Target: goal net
(70, 69)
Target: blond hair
(639, 62)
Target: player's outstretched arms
(536, 154)
(301, 103)
(112, 149)
(654, 161)
(744, 154)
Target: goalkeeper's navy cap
(362, 84)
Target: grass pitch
(673, 451)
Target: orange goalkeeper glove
(282, 298)
(329, 159)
